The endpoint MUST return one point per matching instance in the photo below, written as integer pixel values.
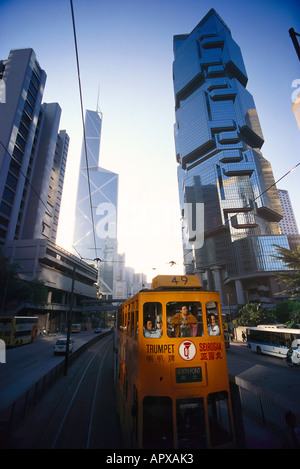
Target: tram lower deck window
(191, 431)
(219, 418)
(157, 422)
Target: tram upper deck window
(213, 327)
(152, 319)
(184, 319)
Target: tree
(253, 314)
(288, 313)
(291, 277)
(8, 273)
(12, 288)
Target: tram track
(79, 412)
(77, 418)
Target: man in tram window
(149, 331)
(183, 322)
(213, 328)
(212, 314)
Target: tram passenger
(213, 328)
(182, 322)
(149, 332)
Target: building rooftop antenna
(97, 107)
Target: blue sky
(125, 48)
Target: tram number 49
(183, 279)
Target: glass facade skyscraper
(218, 142)
(33, 152)
(95, 233)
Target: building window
(5, 209)
(8, 195)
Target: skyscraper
(288, 224)
(33, 152)
(218, 142)
(95, 228)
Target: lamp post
(69, 322)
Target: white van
(61, 346)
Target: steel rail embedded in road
(82, 383)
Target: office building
(221, 168)
(95, 226)
(288, 224)
(33, 152)
(33, 155)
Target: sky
(125, 52)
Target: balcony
(228, 137)
(239, 169)
(222, 125)
(223, 94)
(243, 220)
(231, 156)
(215, 71)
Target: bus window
(219, 418)
(213, 327)
(157, 422)
(184, 319)
(152, 319)
(190, 416)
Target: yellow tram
(171, 379)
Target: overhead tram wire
(83, 125)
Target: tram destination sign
(189, 375)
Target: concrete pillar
(209, 280)
(199, 273)
(239, 292)
(218, 281)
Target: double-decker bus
(171, 378)
(18, 330)
(272, 340)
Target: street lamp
(69, 322)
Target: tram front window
(213, 319)
(184, 319)
(190, 417)
(152, 318)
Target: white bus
(272, 341)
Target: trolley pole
(69, 323)
(293, 35)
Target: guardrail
(19, 408)
(266, 407)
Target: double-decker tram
(171, 378)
